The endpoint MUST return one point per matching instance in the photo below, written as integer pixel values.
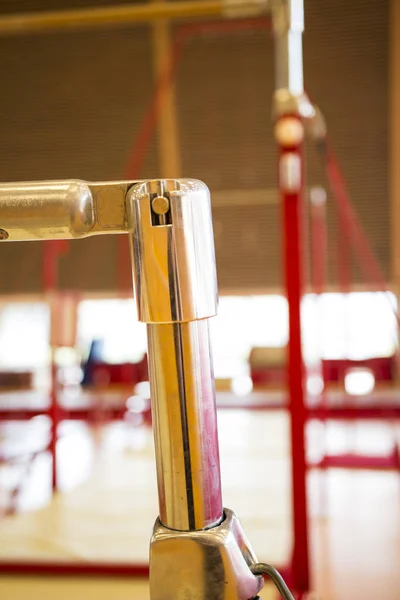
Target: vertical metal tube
(197, 550)
(176, 292)
(185, 425)
(288, 25)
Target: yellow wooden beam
(168, 143)
(40, 22)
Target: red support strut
(319, 236)
(51, 253)
(289, 133)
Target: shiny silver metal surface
(203, 565)
(288, 26)
(185, 425)
(176, 290)
(289, 96)
(49, 210)
(46, 210)
(174, 260)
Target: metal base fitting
(211, 564)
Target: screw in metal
(160, 205)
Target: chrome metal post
(176, 293)
(290, 97)
(185, 425)
(288, 25)
(198, 550)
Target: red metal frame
(299, 571)
(345, 412)
(354, 461)
(84, 569)
(74, 568)
(350, 233)
(352, 228)
(373, 410)
(319, 246)
(51, 253)
(292, 225)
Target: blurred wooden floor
(108, 504)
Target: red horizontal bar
(343, 411)
(239, 405)
(133, 570)
(358, 461)
(70, 414)
(372, 411)
(22, 414)
(115, 413)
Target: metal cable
(265, 569)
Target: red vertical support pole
(51, 252)
(319, 258)
(319, 246)
(289, 133)
(54, 416)
(344, 254)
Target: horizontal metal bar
(89, 18)
(68, 209)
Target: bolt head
(160, 205)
